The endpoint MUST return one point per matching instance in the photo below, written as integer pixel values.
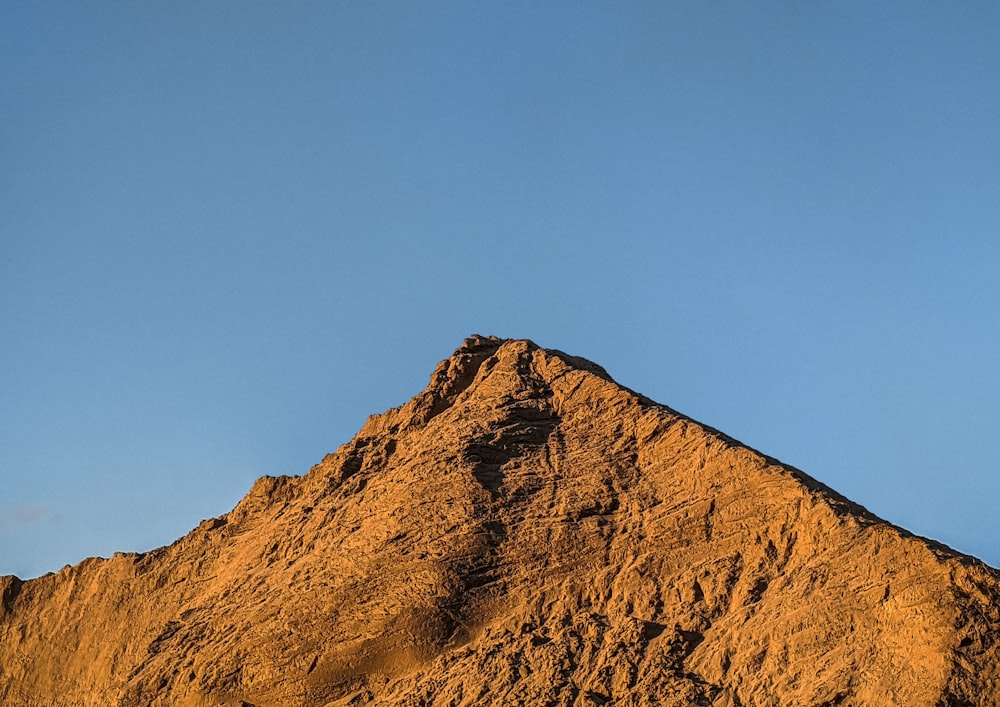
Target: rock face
(524, 531)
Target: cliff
(524, 531)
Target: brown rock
(524, 531)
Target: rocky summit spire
(525, 531)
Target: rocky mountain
(525, 531)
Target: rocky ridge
(524, 531)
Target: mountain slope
(524, 531)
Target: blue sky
(229, 233)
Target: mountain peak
(483, 365)
(477, 343)
(523, 531)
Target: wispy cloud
(22, 516)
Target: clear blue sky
(229, 232)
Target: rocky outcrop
(524, 531)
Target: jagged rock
(524, 531)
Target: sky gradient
(230, 233)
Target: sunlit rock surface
(524, 531)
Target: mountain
(524, 531)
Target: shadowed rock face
(524, 531)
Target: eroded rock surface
(524, 531)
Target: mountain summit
(525, 531)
